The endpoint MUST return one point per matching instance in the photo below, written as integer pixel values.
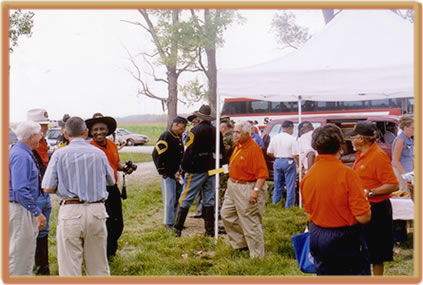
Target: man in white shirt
(283, 147)
(307, 153)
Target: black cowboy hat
(191, 117)
(204, 113)
(99, 118)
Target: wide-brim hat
(38, 115)
(204, 113)
(363, 129)
(191, 117)
(63, 121)
(99, 118)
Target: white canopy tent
(359, 55)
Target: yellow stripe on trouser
(165, 201)
(186, 190)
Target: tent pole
(299, 156)
(216, 199)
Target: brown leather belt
(67, 202)
(241, 182)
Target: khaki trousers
(23, 232)
(82, 236)
(243, 221)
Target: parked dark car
(345, 122)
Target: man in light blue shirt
(78, 175)
(25, 217)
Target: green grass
(147, 249)
(152, 130)
(136, 157)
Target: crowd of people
(348, 209)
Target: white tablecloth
(402, 208)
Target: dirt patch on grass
(147, 173)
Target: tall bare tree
(174, 49)
(210, 27)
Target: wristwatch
(370, 194)
(256, 189)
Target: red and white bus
(264, 111)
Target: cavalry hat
(99, 118)
(364, 129)
(204, 113)
(180, 120)
(191, 117)
(38, 115)
(63, 121)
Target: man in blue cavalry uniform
(198, 159)
(167, 156)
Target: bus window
(352, 105)
(410, 106)
(234, 108)
(380, 104)
(275, 107)
(308, 106)
(259, 107)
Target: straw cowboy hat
(38, 115)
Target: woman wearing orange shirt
(374, 168)
(335, 203)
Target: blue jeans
(194, 182)
(285, 171)
(169, 200)
(44, 203)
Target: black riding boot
(208, 216)
(41, 256)
(178, 224)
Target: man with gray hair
(25, 217)
(245, 197)
(78, 174)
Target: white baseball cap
(38, 115)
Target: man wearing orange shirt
(243, 207)
(99, 128)
(374, 168)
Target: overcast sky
(76, 62)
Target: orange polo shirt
(112, 154)
(247, 162)
(332, 193)
(375, 169)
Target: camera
(129, 165)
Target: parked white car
(52, 135)
(131, 139)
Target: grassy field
(136, 157)
(152, 130)
(147, 249)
